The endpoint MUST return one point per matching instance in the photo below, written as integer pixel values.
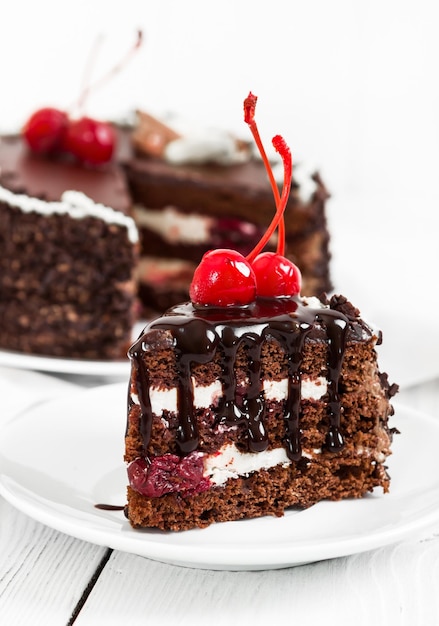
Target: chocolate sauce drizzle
(199, 334)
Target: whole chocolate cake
(252, 398)
(67, 260)
(203, 191)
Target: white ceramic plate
(85, 367)
(60, 459)
(64, 366)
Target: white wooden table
(49, 578)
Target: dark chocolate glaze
(109, 507)
(48, 178)
(198, 334)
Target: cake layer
(267, 492)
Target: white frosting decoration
(174, 226)
(210, 145)
(313, 302)
(73, 203)
(302, 176)
(197, 145)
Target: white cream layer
(73, 203)
(229, 462)
(206, 396)
(174, 226)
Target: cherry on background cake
(252, 398)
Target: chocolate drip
(251, 412)
(336, 332)
(292, 338)
(198, 335)
(143, 386)
(195, 342)
(110, 507)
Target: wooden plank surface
(371, 588)
(43, 573)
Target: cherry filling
(168, 474)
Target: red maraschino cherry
(44, 130)
(276, 276)
(90, 141)
(223, 278)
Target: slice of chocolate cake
(207, 190)
(66, 259)
(251, 398)
(239, 414)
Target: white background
(353, 87)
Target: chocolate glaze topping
(21, 171)
(198, 334)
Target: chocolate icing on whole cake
(48, 178)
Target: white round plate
(58, 460)
(85, 367)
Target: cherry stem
(114, 70)
(280, 200)
(285, 153)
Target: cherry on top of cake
(226, 278)
(52, 132)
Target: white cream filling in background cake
(174, 226)
(73, 203)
